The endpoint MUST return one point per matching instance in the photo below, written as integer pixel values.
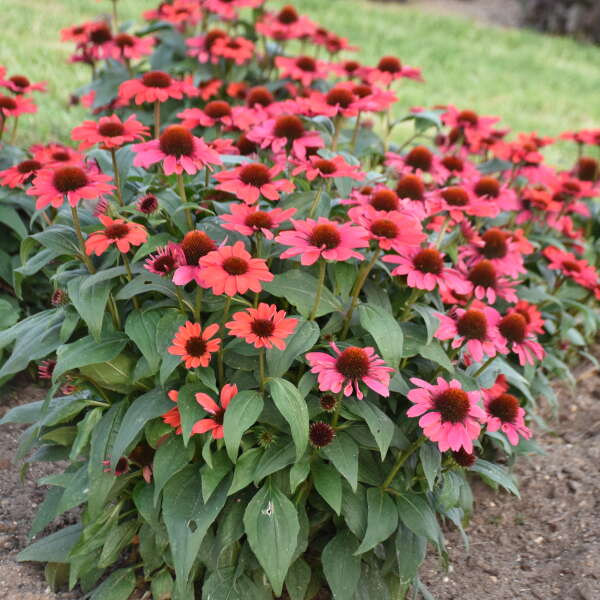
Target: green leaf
(87, 351)
(54, 547)
(300, 342)
(189, 410)
(165, 332)
(328, 483)
(340, 565)
(298, 580)
(382, 519)
(60, 238)
(410, 553)
(170, 458)
(380, 425)
(416, 513)
(385, 330)
(162, 585)
(118, 538)
(431, 459)
(343, 453)
(299, 472)
(497, 474)
(276, 457)
(188, 518)
(141, 327)
(90, 302)
(241, 414)
(118, 586)
(298, 288)
(149, 406)
(213, 474)
(292, 406)
(272, 526)
(244, 469)
(428, 314)
(10, 218)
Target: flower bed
(284, 338)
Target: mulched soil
(545, 546)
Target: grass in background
(534, 82)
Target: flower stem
(220, 366)
(484, 366)
(136, 303)
(337, 121)
(198, 305)
(315, 202)
(113, 155)
(261, 369)
(360, 282)
(77, 225)
(355, 132)
(156, 119)
(13, 135)
(414, 295)
(315, 308)
(183, 196)
(440, 238)
(404, 456)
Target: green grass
(534, 82)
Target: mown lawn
(535, 82)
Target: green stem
(338, 408)
(355, 132)
(180, 300)
(315, 308)
(261, 369)
(484, 366)
(183, 196)
(136, 302)
(115, 18)
(220, 366)
(14, 131)
(360, 282)
(315, 202)
(440, 238)
(416, 292)
(77, 225)
(113, 155)
(404, 456)
(156, 119)
(338, 120)
(198, 305)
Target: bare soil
(544, 546)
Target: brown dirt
(544, 546)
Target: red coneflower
(215, 422)
(195, 345)
(232, 270)
(154, 86)
(249, 220)
(194, 246)
(264, 327)
(20, 174)
(121, 233)
(164, 261)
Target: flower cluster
(281, 325)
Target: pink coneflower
(53, 186)
(531, 314)
(520, 339)
(194, 344)
(487, 283)
(504, 413)
(154, 86)
(21, 173)
(450, 415)
(164, 261)
(215, 112)
(476, 328)
(127, 47)
(194, 246)
(285, 131)
(201, 46)
(177, 12)
(304, 69)
(327, 168)
(228, 9)
(19, 84)
(425, 269)
(232, 270)
(391, 230)
(577, 269)
(249, 220)
(348, 369)
(205, 89)
(121, 233)
(56, 155)
(286, 24)
(264, 327)
(15, 106)
(323, 238)
(237, 49)
(214, 423)
(110, 132)
(147, 204)
(389, 69)
(494, 192)
(248, 182)
(459, 201)
(499, 248)
(178, 150)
